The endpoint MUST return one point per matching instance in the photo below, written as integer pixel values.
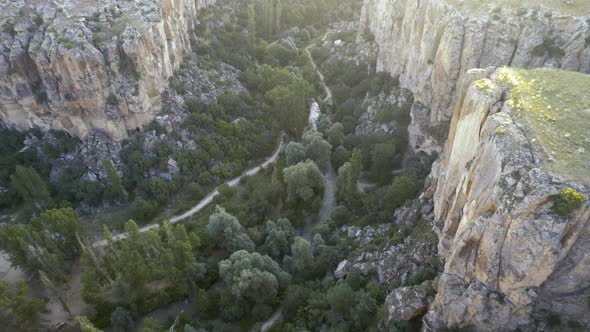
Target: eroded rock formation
(431, 44)
(516, 141)
(90, 64)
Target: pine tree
(114, 190)
(30, 187)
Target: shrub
(8, 27)
(112, 100)
(38, 20)
(567, 201)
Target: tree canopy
(304, 181)
(227, 230)
(253, 276)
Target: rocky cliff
(89, 64)
(431, 44)
(511, 207)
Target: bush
(38, 20)
(568, 201)
(112, 100)
(8, 27)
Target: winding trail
(328, 99)
(205, 201)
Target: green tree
(64, 222)
(317, 147)
(30, 187)
(288, 104)
(401, 190)
(114, 188)
(362, 313)
(45, 243)
(341, 298)
(340, 156)
(346, 185)
(295, 153)
(382, 161)
(18, 310)
(336, 134)
(302, 256)
(304, 181)
(228, 232)
(253, 276)
(278, 237)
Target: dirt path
(329, 200)
(272, 320)
(328, 99)
(205, 201)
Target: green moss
(554, 107)
(567, 202)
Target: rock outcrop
(87, 65)
(511, 208)
(407, 303)
(431, 44)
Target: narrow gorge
(433, 170)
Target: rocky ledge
(87, 64)
(511, 208)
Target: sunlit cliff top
(554, 108)
(572, 7)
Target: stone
(406, 303)
(342, 269)
(508, 255)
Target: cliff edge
(431, 44)
(511, 208)
(89, 64)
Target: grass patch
(554, 107)
(579, 7)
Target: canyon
(500, 96)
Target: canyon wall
(431, 44)
(91, 64)
(511, 260)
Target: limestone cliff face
(92, 64)
(509, 257)
(431, 44)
